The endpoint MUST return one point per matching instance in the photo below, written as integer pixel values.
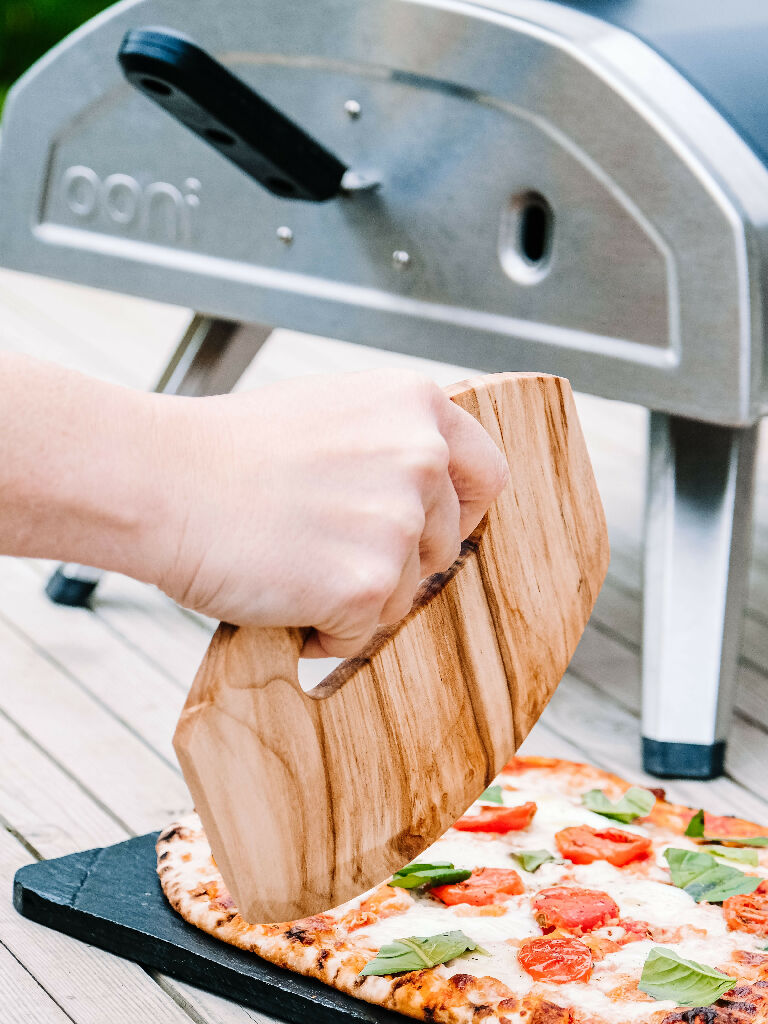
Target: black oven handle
(207, 98)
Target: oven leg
(697, 548)
(209, 360)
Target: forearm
(317, 502)
(79, 469)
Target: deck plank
(608, 734)
(615, 671)
(92, 985)
(76, 642)
(22, 998)
(117, 765)
(117, 338)
(56, 815)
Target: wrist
(117, 501)
(167, 447)
(75, 480)
(180, 493)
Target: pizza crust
(334, 947)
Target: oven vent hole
(526, 235)
(535, 229)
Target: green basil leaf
(530, 860)
(700, 875)
(441, 873)
(688, 865)
(744, 856)
(492, 795)
(421, 865)
(695, 830)
(417, 952)
(636, 803)
(668, 976)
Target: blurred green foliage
(30, 27)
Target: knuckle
(428, 459)
(411, 387)
(431, 393)
(371, 586)
(419, 383)
(407, 525)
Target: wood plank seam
(55, 663)
(97, 613)
(599, 626)
(607, 630)
(177, 995)
(86, 952)
(233, 1015)
(65, 771)
(144, 655)
(6, 826)
(36, 981)
(629, 708)
(583, 713)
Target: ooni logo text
(157, 211)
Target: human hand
(322, 501)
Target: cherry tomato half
(583, 845)
(748, 913)
(484, 886)
(576, 910)
(498, 819)
(556, 960)
(634, 931)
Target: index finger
(477, 467)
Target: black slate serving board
(111, 898)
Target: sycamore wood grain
(310, 799)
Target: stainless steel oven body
(563, 187)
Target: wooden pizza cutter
(309, 799)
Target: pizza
(563, 896)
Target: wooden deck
(88, 699)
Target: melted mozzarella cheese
(660, 904)
(429, 917)
(651, 899)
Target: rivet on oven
(285, 234)
(400, 259)
(353, 108)
(191, 198)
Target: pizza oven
(579, 188)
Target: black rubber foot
(683, 760)
(75, 593)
